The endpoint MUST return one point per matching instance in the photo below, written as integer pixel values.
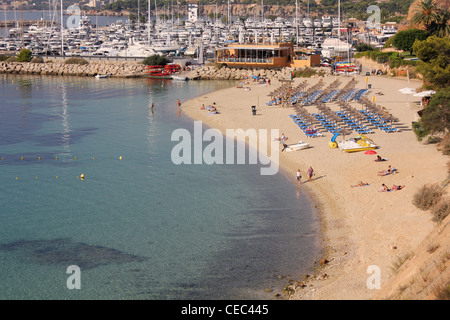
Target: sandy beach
(361, 226)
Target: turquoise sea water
(138, 226)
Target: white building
(332, 47)
(193, 12)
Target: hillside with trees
(391, 10)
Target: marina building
(267, 56)
(260, 55)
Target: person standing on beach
(310, 173)
(299, 176)
(178, 103)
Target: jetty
(27, 23)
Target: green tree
(434, 53)
(155, 60)
(425, 14)
(24, 56)
(441, 27)
(436, 116)
(404, 40)
(364, 47)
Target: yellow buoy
(82, 176)
(39, 158)
(36, 178)
(17, 178)
(56, 158)
(75, 158)
(21, 158)
(56, 177)
(120, 158)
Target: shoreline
(360, 227)
(283, 170)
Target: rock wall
(136, 69)
(227, 73)
(59, 68)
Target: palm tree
(425, 14)
(441, 26)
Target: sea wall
(59, 68)
(137, 69)
(212, 72)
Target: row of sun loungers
(329, 96)
(305, 124)
(312, 93)
(379, 122)
(354, 123)
(360, 93)
(378, 116)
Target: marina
(191, 37)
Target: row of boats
(166, 37)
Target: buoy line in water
(81, 176)
(6, 158)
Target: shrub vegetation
(441, 210)
(428, 196)
(79, 61)
(24, 56)
(155, 60)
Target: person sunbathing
(399, 187)
(379, 159)
(384, 188)
(389, 171)
(361, 184)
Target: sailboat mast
(21, 27)
(339, 19)
(262, 10)
(228, 16)
(62, 27)
(296, 21)
(149, 22)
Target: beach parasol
(370, 152)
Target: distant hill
(391, 10)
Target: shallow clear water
(138, 226)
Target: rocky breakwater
(214, 72)
(60, 68)
(226, 73)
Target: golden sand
(362, 227)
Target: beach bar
(250, 55)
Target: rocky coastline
(212, 72)
(59, 68)
(137, 69)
